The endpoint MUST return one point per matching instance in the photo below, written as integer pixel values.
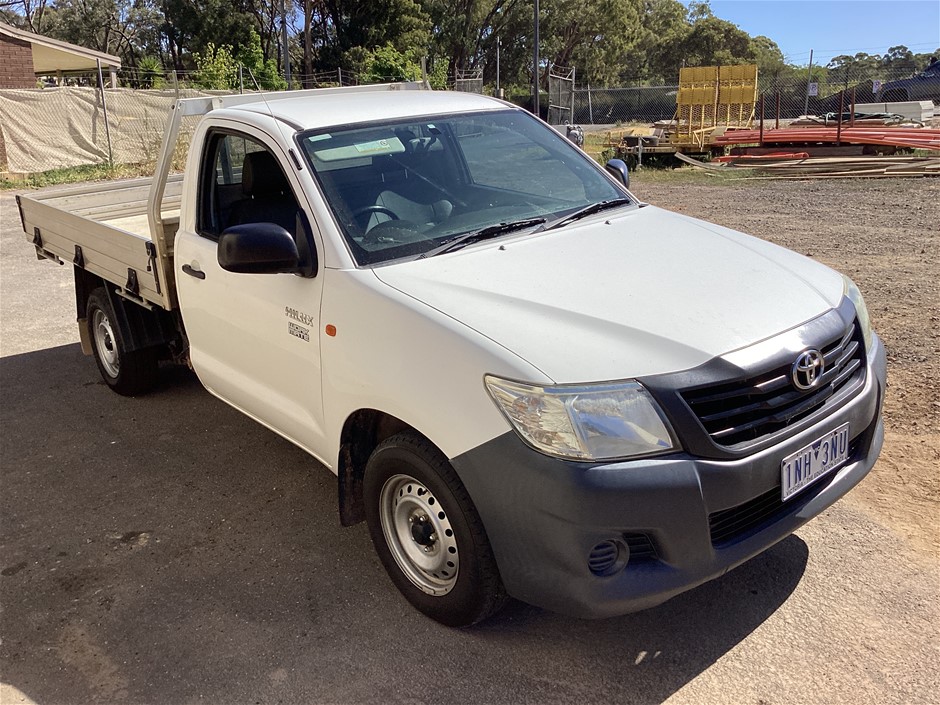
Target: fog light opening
(608, 557)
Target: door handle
(191, 271)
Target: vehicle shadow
(168, 549)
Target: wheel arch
(140, 327)
(363, 431)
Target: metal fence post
(762, 120)
(571, 116)
(104, 109)
(809, 79)
(839, 124)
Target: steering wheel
(375, 209)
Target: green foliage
(77, 174)
(340, 26)
(384, 64)
(898, 62)
(713, 41)
(770, 60)
(437, 77)
(609, 42)
(592, 36)
(191, 25)
(150, 73)
(216, 68)
(264, 71)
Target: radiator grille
(750, 409)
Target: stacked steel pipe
(911, 138)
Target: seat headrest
(262, 176)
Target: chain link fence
(60, 127)
(57, 128)
(631, 104)
(785, 97)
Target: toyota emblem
(807, 369)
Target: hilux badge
(807, 369)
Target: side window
(242, 182)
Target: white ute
(528, 383)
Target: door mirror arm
(306, 248)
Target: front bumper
(543, 515)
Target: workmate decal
(299, 316)
(298, 331)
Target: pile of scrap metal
(857, 118)
(635, 136)
(796, 165)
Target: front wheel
(127, 372)
(427, 533)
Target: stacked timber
(824, 167)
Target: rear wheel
(127, 372)
(427, 533)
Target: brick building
(25, 57)
(16, 63)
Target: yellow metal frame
(711, 97)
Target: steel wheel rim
(419, 535)
(105, 344)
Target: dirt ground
(885, 234)
(167, 549)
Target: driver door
(253, 337)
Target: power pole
(284, 38)
(535, 62)
(497, 66)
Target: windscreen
(401, 189)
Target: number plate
(812, 462)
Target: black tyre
(127, 372)
(427, 533)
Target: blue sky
(833, 27)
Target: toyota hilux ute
(528, 383)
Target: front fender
(399, 356)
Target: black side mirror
(258, 248)
(618, 168)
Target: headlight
(590, 422)
(861, 311)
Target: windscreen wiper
(586, 211)
(455, 243)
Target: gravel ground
(169, 550)
(885, 234)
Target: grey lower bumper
(543, 515)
